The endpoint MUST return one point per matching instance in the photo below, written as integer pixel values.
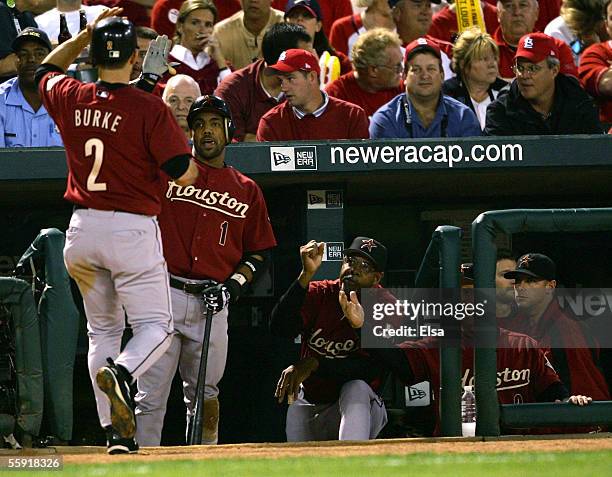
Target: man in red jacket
(308, 112)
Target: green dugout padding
(59, 327)
(484, 230)
(440, 268)
(17, 296)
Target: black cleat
(118, 445)
(113, 381)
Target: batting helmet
(113, 41)
(214, 104)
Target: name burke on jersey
(219, 201)
(94, 118)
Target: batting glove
(155, 63)
(216, 297)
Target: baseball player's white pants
(358, 415)
(117, 260)
(184, 352)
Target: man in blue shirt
(24, 121)
(423, 111)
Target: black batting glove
(216, 298)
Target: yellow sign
(469, 14)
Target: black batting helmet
(113, 41)
(214, 104)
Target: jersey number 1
(224, 226)
(95, 147)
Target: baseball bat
(196, 421)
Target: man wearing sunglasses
(323, 403)
(541, 101)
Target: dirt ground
(90, 455)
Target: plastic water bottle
(468, 412)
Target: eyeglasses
(398, 68)
(523, 70)
(357, 263)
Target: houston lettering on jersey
(330, 348)
(219, 201)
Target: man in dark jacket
(541, 101)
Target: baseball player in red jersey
(524, 374)
(217, 239)
(113, 247)
(326, 313)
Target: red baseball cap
(295, 60)
(421, 45)
(536, 47)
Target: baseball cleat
(118, 445)
(116, 387)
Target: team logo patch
(369, 244)
(300, 158)
(524, 262)
(528, 43)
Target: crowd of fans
(541, 66)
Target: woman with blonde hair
(475, 62)
(578, 25)
(196, 50)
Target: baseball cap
(421, 45)
(534, 265)
(371, 249)
(311, 5)
(295, 60)
(536, 47)
(31, 34)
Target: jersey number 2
(95, 147)
(224, 225)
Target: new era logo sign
(300, 158)
(418, 395)
(333, 251)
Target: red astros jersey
(523, 371)
(208, 226)
(338, 120)
(557, 330)
(116, 138)
(326, 334)
(594, 63)
(347, 89)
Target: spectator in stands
(10, 17)
(517, 18)
(165, 13)
(444, 23)
(377, 74)
(331, 10)
(24, 121)
(180, 92)
(249, 92)
(423, 111)
(240, 35)
(49, 21)
(345, 30)
(196, 49)
(136, 11)
(541, 100)
(144, 36)
(578, 25)
(308, 112)
(596, 70)
(308, 14)
(475, 58)
(541, 317)
(413, 19)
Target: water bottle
(468, 412)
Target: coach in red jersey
(113, 250)
(541, 317)
(308, 112)
(376, 78)
(325, 405)
(217, 240)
